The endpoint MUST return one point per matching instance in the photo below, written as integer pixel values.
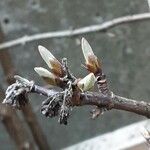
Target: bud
(145, 133)
(87, 82)
(47, 76)
(51, 61)
(92, 62)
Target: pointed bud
(92, 62)
(47, 76)
(51, 61)
(87, 82)
(86, 48)
(145, 133)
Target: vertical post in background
(28, 113)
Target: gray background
(125, 57)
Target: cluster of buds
(55, 77)
(60, 76)
(57, 72)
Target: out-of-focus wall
(125, 57)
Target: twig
(72, 94)
(97, 99)
(69, 33)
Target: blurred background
(124, 51)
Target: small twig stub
(16, 92)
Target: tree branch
(73, 90)
(73, 32)
(135, 106)
(100, 100)
(97, 99)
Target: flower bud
(51, 61)
(145, 133)
(47, 76)
(87, 82)
(92, 62)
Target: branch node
(69, 75)
(15, 92)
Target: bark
(101, 100)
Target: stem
(138, 107)
(83, 30)
(101, 100)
